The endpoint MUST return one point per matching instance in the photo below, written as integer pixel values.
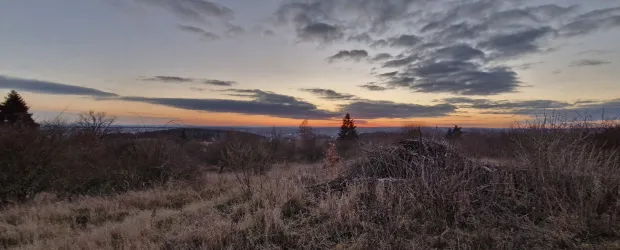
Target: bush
(57, 159)
(245, 157)
(557, 183)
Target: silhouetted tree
(455, 133)
(98, 124)
(348, 129)
(14, 111)
(309, 147)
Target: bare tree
(96, 123)
(245, 158)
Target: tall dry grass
(557, 188)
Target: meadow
(549, 184)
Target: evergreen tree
(14, 110)
(348, 129)
(455, 133)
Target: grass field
(536, 188)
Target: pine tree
(348, 129)
(14, 110)
(455, 133)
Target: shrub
(57, 159)
(245, 157)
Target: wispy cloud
(209, 36)
(588, 62)
(329, 94)
(46, 87)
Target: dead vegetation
(554, 188)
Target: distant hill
(201, 134)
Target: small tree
(98, 124)
(455, 133)
(347, 137)
(14, 110)
(348, 129)
(308, 147)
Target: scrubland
(536, 186)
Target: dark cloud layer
(381, 57)
(45, 87)
(177, 79)
(192, 10)
(516, 44)
(469, 82)
(366, 109)
(373, 87)
(588, 62)
(277, 105)
(261, 103)
(320, 32)
(404, 41)
(462, 52)
(329, 94)
(351, 55)
(219, 82)
(169, 79)
(590, 109)
(590, 22)
(203, 33)
(458, 47)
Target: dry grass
(218, 214)
(555, 190)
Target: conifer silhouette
(348, 129)
(14, 110)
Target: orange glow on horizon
(148, 114)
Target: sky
(476, 63)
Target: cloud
(526, 66)
(607, 109)
(329, 94)
(461, 31)
(588, 62)
(177, 79)
(401, 81)
(203, 33)
(404, 41)
(320, 32)
(369, 15)
(362, 38)
(277, 105)
(260, 103)
(458, 52)
(516, 44)
(389, 74)
(366, 109)
(269, 33)
(169, 79)
(401, 62)
(381, 57)
(45, 87)
(193, 10)
(352, 55)
(373, 87)
(463, 78)
(234, 30)
(572, 110)
(515, 105)
(592, 21)
(596, 52)
(219, 82)
(197, 89)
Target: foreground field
(554, 191)
(214, 214)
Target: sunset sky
(482, 63)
